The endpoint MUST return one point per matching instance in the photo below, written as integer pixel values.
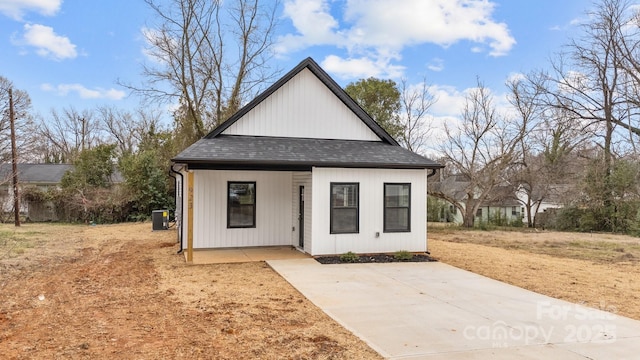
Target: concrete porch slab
(249, 254)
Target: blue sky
(71, 52)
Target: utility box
(160, 219)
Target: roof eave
(266, 165)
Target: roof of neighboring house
(255, 152)
(36, 173)
(219, 151)
(556, 194)
(456, 187)
(502, 196)
(44, 174)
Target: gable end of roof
(315, 69)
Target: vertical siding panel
(303, 107)
(273, 209)
(197, 208)
(302, 179)
(295, 206)
(308, 208)
(371, 212)
(185, 217)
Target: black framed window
(397, 207)
(345, 204)
(241, 204)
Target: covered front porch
(246, 254)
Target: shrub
(35, 194)
(349, 257)
(403, 255)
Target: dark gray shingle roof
(45, 174)
(254, 152)
(36, 173)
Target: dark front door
(301, 218)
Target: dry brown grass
(598, 270)
(120, 291)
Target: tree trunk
(14, 161)
(608, 196)
(529, 208)
(469, 214)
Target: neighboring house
(42, 176)
(303, 165)
(501, 206)
(553, 198)
(454, 186)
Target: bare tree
(120, 127)
(625, 22)
(67, 133)
(480, 150)
(14, 119)
(527, 168)
(127, 129)
(592, 82)
(208, 56)
(23, 119)
(415, 104)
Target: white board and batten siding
(273, 209)
(302, 179)
(371, 212)
(303, 108)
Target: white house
(303, 165)
(41, 176)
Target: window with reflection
(397, 207)
(241, 204)
(344, 208)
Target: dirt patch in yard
(597, 270)
(120, 291)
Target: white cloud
(154, 39)
(442, 22)
(571, 24)
(436, 64)
(47, 43)
(381, 29)
(449, 100)
(385, 24)
(360, 67)
(314, 23)
(83, 92)
(574, 81)
(515, 76)
(17, 8)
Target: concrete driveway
(437, 311)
